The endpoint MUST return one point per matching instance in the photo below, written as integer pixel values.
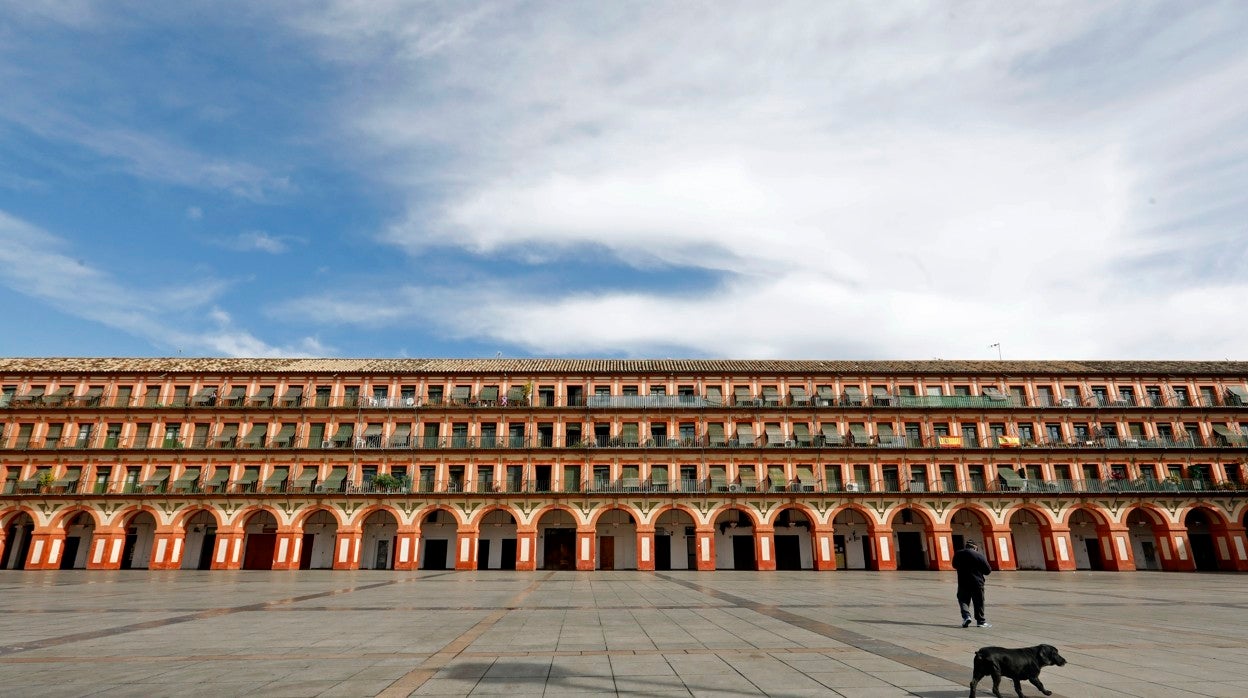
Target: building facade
(609, 464)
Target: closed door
(507, 554)
(606, 552)
(560, 545)
(435, 554)
(259, 554)
(788, 553)
(483, 554)
(662, 552)
(382, 559)
(743, 553)
(910, 555)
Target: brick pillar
(46, 546)
(940, 547)
(1233, 538)
(1059, 550)
(406, 547)
(1176, 551)
(884, 551)
(704, 544)
(228, 552)
(824, 553)
(466, 548)
(347, 549)
(1116, 546)
(1001, 541)
(586, 547)
(107, 545)
(526, 549)
(645, 549)
(167, 549)
(287, 548)
(765, 548)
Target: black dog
(1022, 663)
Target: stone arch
(675, 537)
(423, 516)
(185, 514)
(80, 525)
(1147, 526)
(557, 530)
(122, 517)
(318, 527)
(139, 525)
(913, 532)
(199, 526)
(6, 515)
(1030, 528)
(793, 530)
(615, 537)
(968, 522)
(853, 532)
(242, 516)
(301, 518)
(439, 535)
(497, 537)
(675, 506)
(1090, 536)
(362, 515)
(1207, 536)
(18, 526)
(379, 532)
(601, 511)
(478, 517)
(736, 537)
(542, 512)
(62, 516)
(259, 525)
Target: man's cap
(971, 544)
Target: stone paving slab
(367, 633)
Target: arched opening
(675, 541)
(617, 541)
(259, 540)
(734, 542)
(1200, 535)
(968, 524)
(380, 533)
(1145, 530)
(496, 541)
(200, 540)
(438, 534)
(1085, 533)
(316, 549)
(1028, 540)
(851, 541)
(911, 532)
(136, 553)
(79, 531)
(17, 537)
(795, 548)
(556, 540)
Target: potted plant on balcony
(45, 479)
(386, 483)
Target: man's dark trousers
(969, 596)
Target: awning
(745, 434)
(771, 394)
(797, 394)
(71, 476)
(774, 435)
(831, 433)
(994, 393)
(219, 475)
(372, 430)
(460, 393)
(344, 433)
(1239, 392)
(1011, 478)
(718, 477)
(1223, 431)
(204, 395)
(884, 429)
(801, 432)
(490, 393)
(402, 431)
(879, 391)
(286, 433)
(279, 474)
(742, 394)
(336, 477)
(825, 392)
(265, 392)
(306, 476)
(64, 391)
(515, 394)
(228, 432)
(714, 394)
(93, 392)
(806, 473)
(188, 476)
(256, 435)
(853, 392)
(158, 478)
(775, 473)
(629, 432)
(859, 431)
(749, 477)
(250, 475)
(715, 434)
(238, 392)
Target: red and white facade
(607, 464)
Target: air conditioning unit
(851, 487)
(1067, 402)
(409, 402)
(735, 488)
(327, 444)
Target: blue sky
(696, 179)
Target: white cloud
(932, 179)
(166, 317)
(256, 241)
(194, 213)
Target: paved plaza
(364, 633)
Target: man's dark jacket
(972, 567)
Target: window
(322, 397)
(1026, 433)
(351, 396)
(53, 437)
(172, 436)
(1100, 396)
(1044, 396)
(142, 435)
(1053, 432)
(1180, 397)
(1082, 434)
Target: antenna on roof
(998, 346)
(498, 354)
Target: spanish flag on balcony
(1008, 441)
(950, 441)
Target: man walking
(972, 567)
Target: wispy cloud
(258, 241)
(880, 180)
(171, 317)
